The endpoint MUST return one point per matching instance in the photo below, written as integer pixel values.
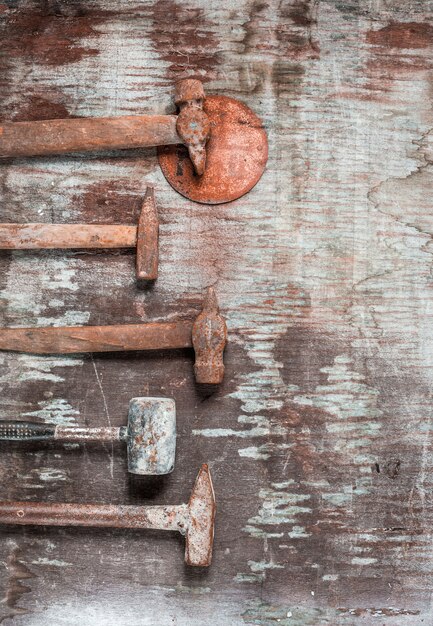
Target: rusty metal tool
(214, 150)
(143, 237)
(150, 435)
(195, 520)
(207, 334)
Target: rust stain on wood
(39, 108)
(183, 37)
(402, 35)
(50, 33)
(398, 50)
(109, 200)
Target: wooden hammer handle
(66, 236)
(86, 134)
(116, 338)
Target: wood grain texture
(58, 236)
(320, 439)
(86, 135)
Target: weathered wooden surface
(319, 440)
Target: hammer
(63, 236)
(207, 335)
(190, 127)
(224, 151)
(195, 520)
(150, 434)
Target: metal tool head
(192, 124)
(151, 435)
(200, 528)
(209, 338)
(147, 239)
(236, 152)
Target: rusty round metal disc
(236, 155)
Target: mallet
(224, 149)
(207, 334)
(143, 237)
(150, 434)
(195, 520)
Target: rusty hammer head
(147, 239)
(200, 521)
(193, 125)
(151, 435)
(209, 338)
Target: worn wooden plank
(319, 441)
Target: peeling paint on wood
(319, 440)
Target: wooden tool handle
(66, 236)
(74, 339)
(86, 134)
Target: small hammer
(150, 434)
(207, 335)
(63, 236)
(190, 127)
(195, 520)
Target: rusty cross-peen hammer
(207, 334)
(213, 151)
(150, 435)
(144, 237)
(195, 520)
(60, 136)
